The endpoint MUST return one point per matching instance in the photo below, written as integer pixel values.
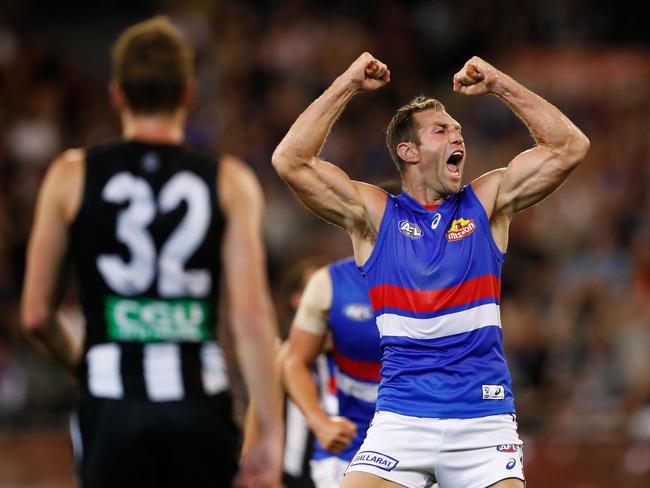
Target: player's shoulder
(70, 157)
(372, 195)
(236, 174)
(68, 163)
(486, 188)
(64, 181)
(488, 183)
(318, 289)
(321, 278)
(237, 183)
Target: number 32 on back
(136, 276)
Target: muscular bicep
(529, 178)
(330, 193)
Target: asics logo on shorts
(511, 463)
(373, 458)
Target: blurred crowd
(576, 283)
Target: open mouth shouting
(454, 162)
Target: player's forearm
(549, 127)
(307, 135)
(300, 385)
(255, 342)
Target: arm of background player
(251, 423)
(321, 186)
(305, 343)
(251, 313)
(58, 202)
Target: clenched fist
(335, 433)
(477, 77)
(367, 73)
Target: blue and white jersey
(356, 351)
(435, 280)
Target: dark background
(576, 284)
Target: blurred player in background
(433, 257)
(335, 308)
(148, 225)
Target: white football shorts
(457, 453)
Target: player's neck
(423, 193)
(155, 128)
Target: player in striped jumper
(151, 226)
(432, 257)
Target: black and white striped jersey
(146, 248)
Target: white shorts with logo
(458, 453)
(328, 472)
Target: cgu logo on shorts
(460, 228)
(373, 458)
(410, 230)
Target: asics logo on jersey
(358, 311)
(493, 392)
(460, 228)
(373, 458)
(436, 221)
(410, 230)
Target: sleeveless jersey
(435, 279)
(356, 351)
(146, 247)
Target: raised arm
(58, 202)
(321, 186)
(535, 173)
(305, 343)
(251, 313)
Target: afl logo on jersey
(358, 312)
(410, 230)
(460, 228)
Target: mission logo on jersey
(460, 228)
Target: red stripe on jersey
(363, 370)
(331, 385)
(486, 286)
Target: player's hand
(477, 77)
(367, 73)
(262, 465)
(335, 433)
